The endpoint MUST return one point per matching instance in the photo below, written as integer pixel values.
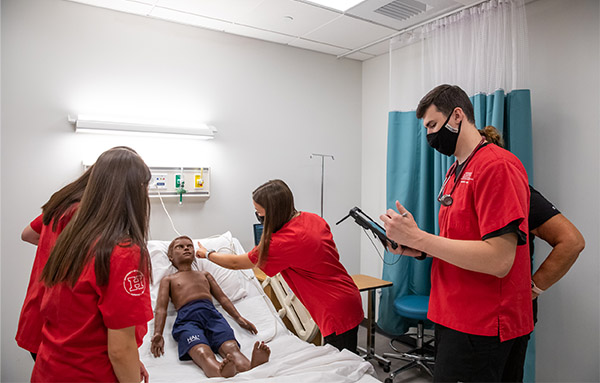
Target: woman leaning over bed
(300, 246)
(97, 303)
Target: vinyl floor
(382, 345)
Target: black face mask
(444, 140)
(260, 218)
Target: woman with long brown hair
(300, 246)
(56, 207)
(97, 302)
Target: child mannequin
(200, 330)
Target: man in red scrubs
(480, 276)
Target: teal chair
(413, 307)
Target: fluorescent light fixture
(154, 128)
(340, 5)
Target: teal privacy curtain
(415, 173)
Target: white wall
(273, 105)
(564, 43)
(374, 151)
(564, 57)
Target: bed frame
(291, 308)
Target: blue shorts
(199, 322)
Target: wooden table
(370, 284)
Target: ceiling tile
(136, 7)
(360, 56)
(228, 10)
(378, 49)
(467, 2)
(258, 33)
(188, 18)
(315, 46)
(349, 32)
(314, 28)
(288, 16)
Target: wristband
(208, 252)
(536, 289)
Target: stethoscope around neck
(446, 199)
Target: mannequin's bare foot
(260, 354)
(227, 367)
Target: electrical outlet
(158, 182)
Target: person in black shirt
(545, 222)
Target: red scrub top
(492, 193)
(304, 253)
(74, 337)
(37, 224)
(29, 331)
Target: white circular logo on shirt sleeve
(134, 283)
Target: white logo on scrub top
(468, 176)
(134, 283)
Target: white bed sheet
(292, 360)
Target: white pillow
(229, 280)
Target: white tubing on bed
(261, 292)
(256, 285)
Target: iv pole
(322, 174)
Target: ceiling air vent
(400, 14)
(402, 9)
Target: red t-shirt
(304, 253)
(29, 331)
(74, 337)
(492, 193)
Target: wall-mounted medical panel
(171, 181)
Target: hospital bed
(292, 359)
